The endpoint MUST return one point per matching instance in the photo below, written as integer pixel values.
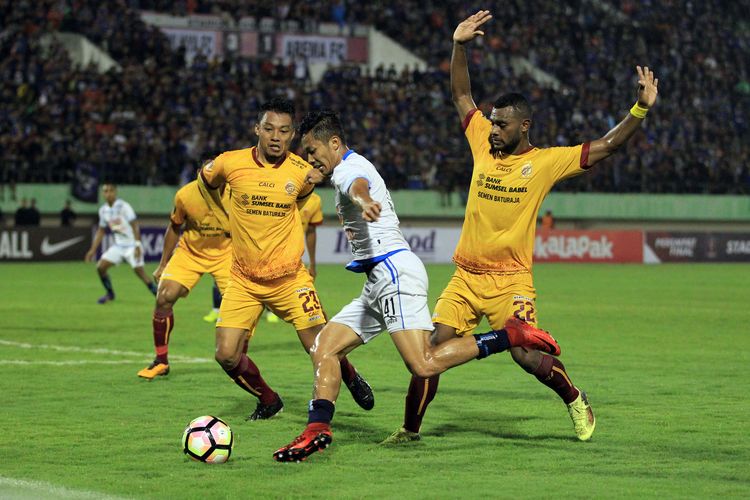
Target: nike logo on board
(53, 248)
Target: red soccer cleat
(304, 445)
(523, 334)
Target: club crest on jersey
(526, 170)
(480, 180)
(290, 187)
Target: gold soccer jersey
(504, 199)
(264, 220)
(203, 236)
(311, 212)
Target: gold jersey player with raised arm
(203, 247)
(494, 255)
(267, 246)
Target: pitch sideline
(112, 352)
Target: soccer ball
(208, 439)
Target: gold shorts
(469, 296)
(292, 298)
(186, 269)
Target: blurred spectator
(22, 216)
(67, 215)
(34, 217)
(548, 221)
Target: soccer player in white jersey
(117, 215)
(394, 297)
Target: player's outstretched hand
(314, 176)
(648, 87)
(371, 211)
(468, 29)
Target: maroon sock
(421, 392)
(551, 372)
(347, 371)
(247, 376)
(163, 323)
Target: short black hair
(323, 125)
(516, 101)
(277, 105)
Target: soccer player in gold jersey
(267, 246)
(205, 247)
(493, 258)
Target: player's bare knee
(424, 369)
(166, 297)
(528, 359)
(227, 358)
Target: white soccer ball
(208, 439)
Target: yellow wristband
(638, 111)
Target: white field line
(21, 489)
(112, 352)
(72, 362)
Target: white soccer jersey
(118, 218)
(367, 239)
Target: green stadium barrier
(426, 204)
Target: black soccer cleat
(264, 412)
(361, 392)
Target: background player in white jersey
(394, 297)
(120, 218)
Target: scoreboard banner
(431, 244)
(34, 244)
(672, 246)
(588, 246)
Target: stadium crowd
(157, 118)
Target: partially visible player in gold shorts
(469, 296)
(205, 247)
(267, 181)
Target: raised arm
(466, 31)
(359, 192)
(647, 91)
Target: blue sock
(152, 286)
(492, 342)
(320, 411)
(217, 297)
(107, 285)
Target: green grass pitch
(661, 350)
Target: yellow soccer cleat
(401, 436)
(154, 370)
(212, 316)
(582, 416)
